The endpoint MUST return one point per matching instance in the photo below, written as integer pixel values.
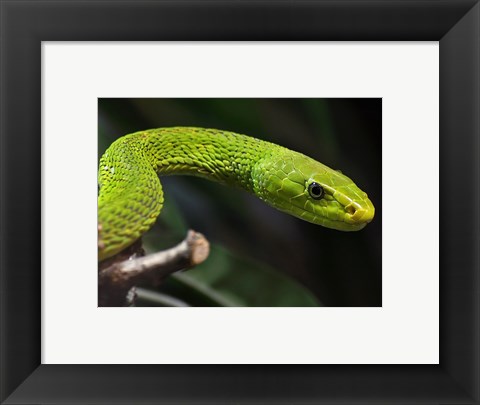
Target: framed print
(372, 331)
(403, 328)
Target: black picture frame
(24, 24)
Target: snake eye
(316, 191)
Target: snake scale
(130, 195)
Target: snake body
(130, 194)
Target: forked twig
(117, 279)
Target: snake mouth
(351, 217)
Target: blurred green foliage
(259, 256)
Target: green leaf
(226, 279)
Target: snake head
(301, 186)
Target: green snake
(130, 195)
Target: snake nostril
(350, 208)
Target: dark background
(262, 257)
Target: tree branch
(117, 279)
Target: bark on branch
(117, 279)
